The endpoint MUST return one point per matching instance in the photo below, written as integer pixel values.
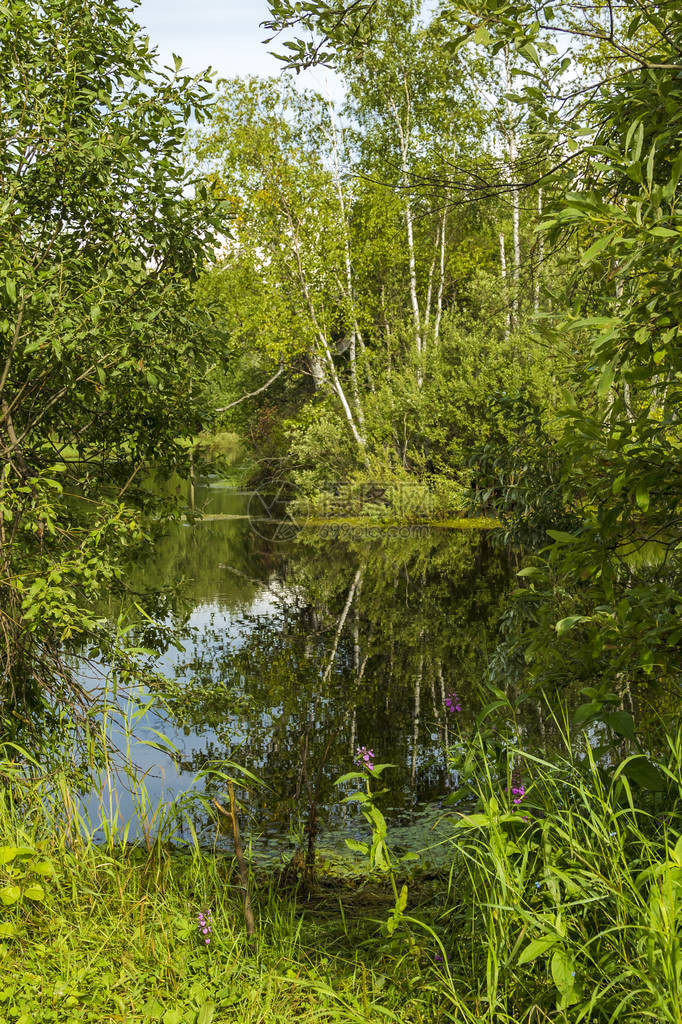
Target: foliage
(100, 240)
(574, 902)
(24, 872)
(116, 935)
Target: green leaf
(586, 712)
(11, 289)
(7, 930)
(596, 248)
(348, 776)
(481, 36)
(530, 53)
(173, 1017)
(474, 820)
(10, 894)
(401, 902)
(650, 167)
(563, 625)
(35, 892)
(605, 381)
(206, 1013)
(619, 483)
(621, 722)
(561, 537)
(7, 854)
(43, 867)
(357, 847)
(563, 971)
(645, 774)
(642, 497)
(537, 947)
(631, 130)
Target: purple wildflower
(452, 703)
(364, 758)
(205, 922)
(517, 790)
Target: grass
(566, 907)
(115, 938)
(388, 524)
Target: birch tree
(270, 152)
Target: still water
(298, 647)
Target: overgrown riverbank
(561, 903)
(116, 938)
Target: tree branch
(252, 394)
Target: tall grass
(568, 905)
(115, 937)
(564, 906)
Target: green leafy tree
(268, 151)
(101, 236)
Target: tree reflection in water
(352, 641)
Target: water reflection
(297, 653)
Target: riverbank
(116, 938)
(560, 903)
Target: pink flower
(364, 758)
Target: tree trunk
(511, 174)
(404, 136)
(503, 272)
(441, 280)
(324, 345)
(541, 257)
(356, 335)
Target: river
(297, 648)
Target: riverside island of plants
(341, 517)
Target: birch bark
(404, 136)
(322, 339)
(356, 334)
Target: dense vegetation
(455, 292)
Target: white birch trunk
(541, 257)
(356, 334)
(324, 345)
(446, 738)
(341, 623)
(511, 173)
(416, 717)
(429, 291)
(404, 136)
(317, 370)
(503, 272)
(441, 279)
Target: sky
(223, 33)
